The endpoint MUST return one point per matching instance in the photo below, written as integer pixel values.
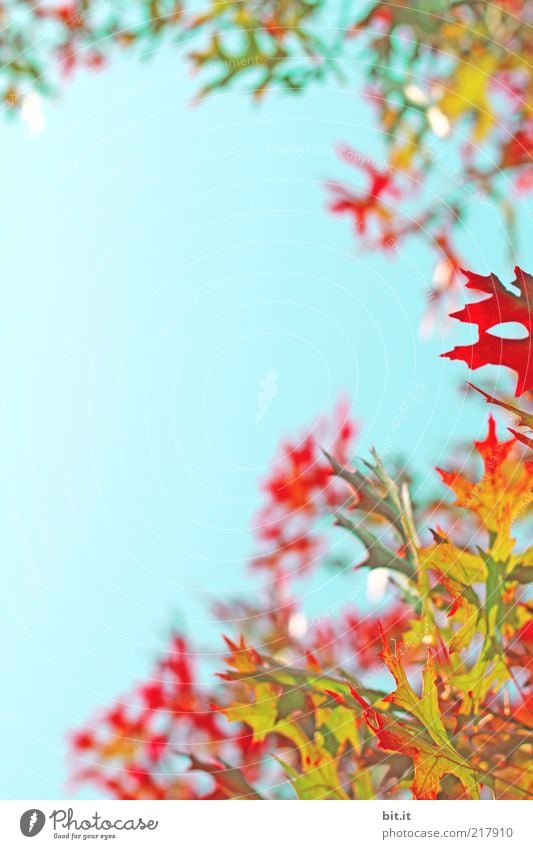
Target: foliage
(449, 80)
(451, 84)
(424, 693)
(273, 42)
(495, 316)
(500, 307)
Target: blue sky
(159, 262)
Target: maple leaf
(500, 307)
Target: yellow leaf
(503, 493)
(467, 92)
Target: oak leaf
(500, 307)
(427, 744)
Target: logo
(32, 822)
(65, 824)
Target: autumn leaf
(230, 779)
(500, 307)
(525, 419)
(469, 94)
(427, 744)
(284, 721)
(458, 571)
(504, 491)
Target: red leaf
(522, 437)
(501, 306)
